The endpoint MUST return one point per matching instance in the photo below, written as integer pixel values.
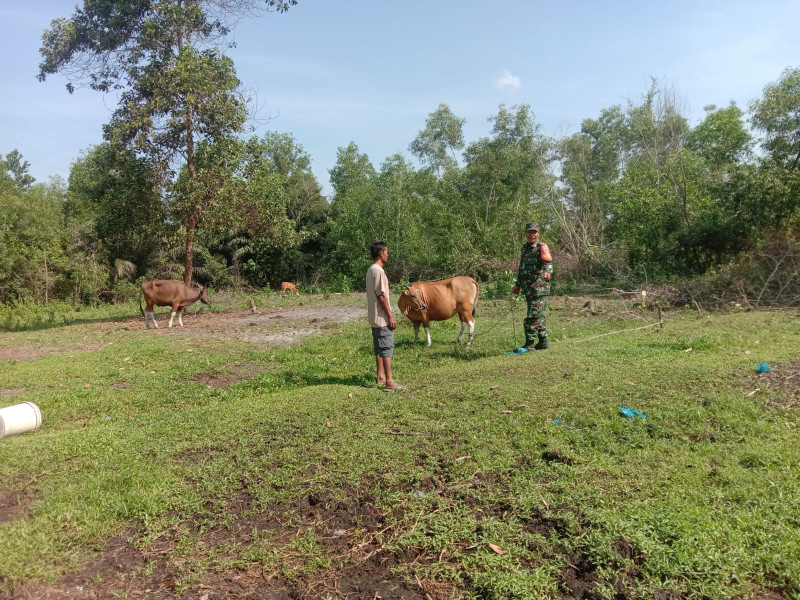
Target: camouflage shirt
(535, 260)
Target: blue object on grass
(521, 350)
(632, 413)
(556, 421)
(763, 368)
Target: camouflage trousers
(534, 323)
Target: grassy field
(200, 464)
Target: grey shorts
(383, 341)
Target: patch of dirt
(785, 380)
(16, 498)
(29, 352)
(276, 327)
(235, 372)
(350, 533)
(272, 327)
(9, 392)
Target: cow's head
(204, 296)
(413, 298)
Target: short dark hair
(376, 249)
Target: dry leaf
(563, 336)
(757, 342)
(688, 350)
(747, 351)
(460, 458)
(350, 395)
(499, 549)
(86, 385)
(630, 383)
(507, 412)
(495, 387)
(522, 406)
(327, 423)
(598, 388)
(751, 393)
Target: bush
(343, 285)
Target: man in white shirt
(380, 316)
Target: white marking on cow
(428, 335)
(471, 333)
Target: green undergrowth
(529, 453)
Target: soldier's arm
(547, 262)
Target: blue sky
(370, 72)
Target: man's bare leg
(387, 370)
(379, 370)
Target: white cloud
(508, 81)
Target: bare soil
(16, 497)
(785, 380)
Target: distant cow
(427, 301)
(168, 292)
(288, 286)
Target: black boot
(529, 344)
(542, 345)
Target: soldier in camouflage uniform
(533, 278)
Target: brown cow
(427, 301)
(288, 286)
(168, 292)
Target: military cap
(532, 227)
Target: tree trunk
(191, 225)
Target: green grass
(701, 499)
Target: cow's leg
(461, 333)
(416, 332)
(180, 317)
(175, 308)
(471, 332)
(149, 312)
(428, 335)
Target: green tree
(178, 92)
(721, 139)
(777, 115)
(357, 218)
(592, 161)
(119, 195)
(17, 169)
(436, 145)
(505, 183)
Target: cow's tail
(475, 301)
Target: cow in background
(427, 301)
(168, 292)
(288, 286)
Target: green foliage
(436, 145)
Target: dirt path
(273, 326)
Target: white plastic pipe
(19, 418)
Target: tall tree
(17, 168)
(777, 115)
(177, 90)
(506, 180)
(436, 145)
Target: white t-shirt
(377, 284)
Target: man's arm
(384, 301)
